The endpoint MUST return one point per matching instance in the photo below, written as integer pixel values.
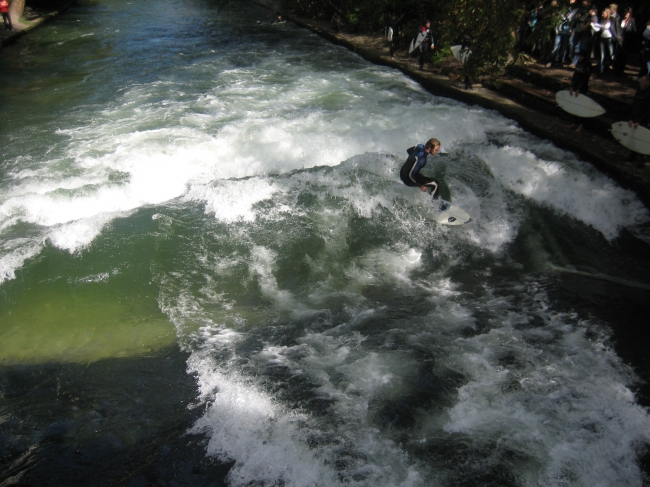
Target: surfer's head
(432, 146)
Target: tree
(16, 8)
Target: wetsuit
(410, 172)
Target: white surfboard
(635, 139)
(460, 54)
(580, 106)
(389, 34)
(450, 214)
(415, 43)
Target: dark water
(210, 273)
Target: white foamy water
(337, 335)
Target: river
(210, 273)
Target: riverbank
(36, 13)
(526, 94)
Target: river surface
(210, 273)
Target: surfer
(410, 172)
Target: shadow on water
(113, 422)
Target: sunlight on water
(53, 325)
(57, 326)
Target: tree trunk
(16, 8)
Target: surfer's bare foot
(579, 129)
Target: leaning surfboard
(635, 139)
(460, 54)
(415, 43)
(580, 106)
(449, 214)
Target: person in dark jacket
(640, 114)
(427, 44)
(629, 40)
(581, 29)
(580, 83)
(394, 29)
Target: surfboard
(450, 214)
(635, 139)
(459, 53)
(580, 106)
(415, 43)
(389, 34)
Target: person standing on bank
(607, 40)
(427, 44)
(410, 172)
(580, 83)
(4, 10)
(640, 114)
(630, 40)
(394, 40)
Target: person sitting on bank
(640, 114)
(410, 172)
(580, 83)
(4, 10)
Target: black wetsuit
(410, 172)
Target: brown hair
(432, 143)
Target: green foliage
(545, 27)
(489, 24)
(441, 53)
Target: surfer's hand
(632, 124)
(423, 188)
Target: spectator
(617, 32)
(4, 9)
(580, 82)
(427, 44)
(394, 40)
(606, 40)
(590, 42)
(640, 113)
(337, 24)
(573, 10)
(562, 35)
(581, 30)
(629, 40)
(645, 51)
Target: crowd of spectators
(607, 36)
